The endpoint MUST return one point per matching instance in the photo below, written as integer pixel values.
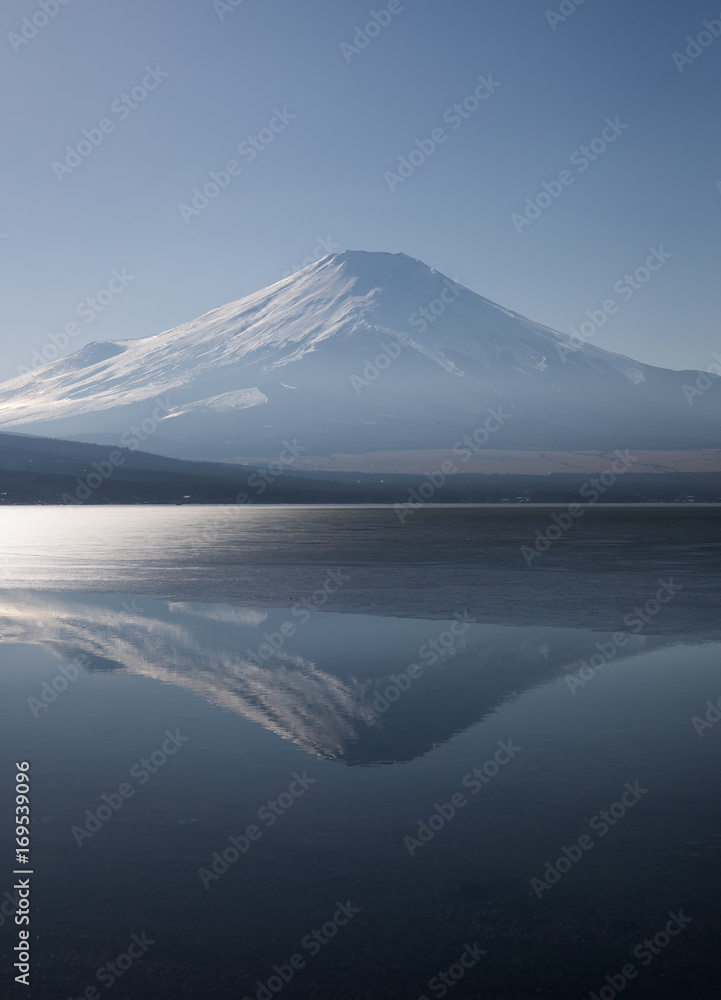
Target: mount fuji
(359, 353)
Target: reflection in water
(340, 686)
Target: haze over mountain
(359, 353)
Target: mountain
(359, 353)
(46, 471)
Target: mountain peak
(361, 351)
(375, 262)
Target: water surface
(331, 680)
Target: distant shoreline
(491, 505)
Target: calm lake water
(318, 753)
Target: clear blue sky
(323, 174)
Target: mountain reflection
(341, 686)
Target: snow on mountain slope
(293, 359)
(241, 399)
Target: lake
(332, 753)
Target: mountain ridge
(359, 352)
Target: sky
(115, 113)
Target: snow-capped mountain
(359, 352)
